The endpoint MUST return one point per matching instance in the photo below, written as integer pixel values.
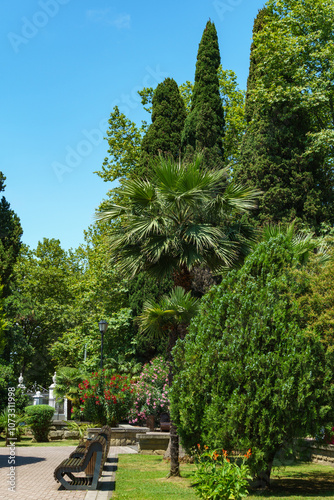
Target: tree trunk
(262, 480)
(174, 451)
(183, 278)
(174, 438)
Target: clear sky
(65, 65)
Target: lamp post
(103, 325)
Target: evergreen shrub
(249, 374)
(39, 419)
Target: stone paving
(34, 479)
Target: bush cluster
(151, 392)
(39, 419)
(106, 398)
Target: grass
(304, 481)
(26, 441)
(143, 477)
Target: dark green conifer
(204, 126)
(274, 155)
(164, 134)
(259, 23)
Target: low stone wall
(59, 430)
(153, 443)
(319, 452)
(124, 435)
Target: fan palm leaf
(177, 219)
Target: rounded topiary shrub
(39, 418)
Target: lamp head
(103, 325)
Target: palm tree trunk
(183, 278)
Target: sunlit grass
(143, 477)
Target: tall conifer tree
(274, 155)
(204, 126)
(164, 134)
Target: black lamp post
(103, 325)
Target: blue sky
(65, 65)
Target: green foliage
(129, 367)
(105, 398)
(10, 240)
(6, 424)
(217, 477)
(204, 125)
(6, 380)
(3, 323)
(67, 381)
(124, 139)
(39, 419)
(164, 134)
(98, 292)
(179, 219)
(151, 392)
(21, 400)
(41, 307)
(287, 149)
(173, 310)
(233, 100)
(248, 362)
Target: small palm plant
(171, 316)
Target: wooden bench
(91, 463)
(105, 431)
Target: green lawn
(27, 441)
(143, 477)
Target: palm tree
(180, 219)
(171, 315)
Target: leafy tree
(40, 308)
(164, 134)
(204, 125)
(287, 148)
(10, 240)
(124, 139)
(249, 374)
(98, 293)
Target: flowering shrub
(217, 477)
(105, 398)
(151, 392)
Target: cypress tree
(274, 155)
(164, 134)
(204, 126)
(259, 24)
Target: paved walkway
(34, 479)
